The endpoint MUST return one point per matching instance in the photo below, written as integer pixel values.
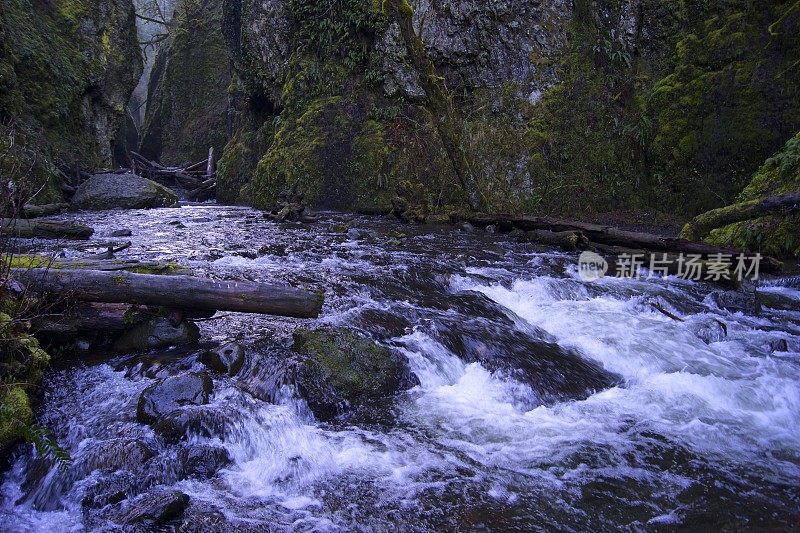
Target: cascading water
(544, 402)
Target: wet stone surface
(533, 399)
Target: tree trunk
(439, 102)
(702, 225)
(90, 316)
(180, 292)
(569, 240)
(607, 235)
(29, 229)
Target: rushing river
(543, 403)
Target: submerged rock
(126, 191)
(109, 489)
(202, 461)
(172, 393)
(339, 369)
(156, 508)
(191, 421)
(157, 333)
(227, 359)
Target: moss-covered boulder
(187, 103)
(777, 235)
(340, 369)
(121, 191)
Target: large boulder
(172, 393)
(157, 332)
(340, 369)
(126, 191)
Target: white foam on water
(726, 399)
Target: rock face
(67, 71)
(552, 94)
(172, 393)
(126, 191)
(340, 369)
(188, 91)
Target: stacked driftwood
(199, 180)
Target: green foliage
(773, 235)
(728, 103)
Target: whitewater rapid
(695, 421)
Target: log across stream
(181, 292)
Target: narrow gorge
(415, 265)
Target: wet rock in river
(109, 489)
(340, 369)
(116, 454)
(202, 461)
(172, 393)
(742, 301)
(126, 191)
(158, 332)
(710, 331)
(778, 300)
(191, 421)
(227, 359)
(154, 508)
(121, 233)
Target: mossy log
(91, 263)
(179, 292)
(90, 316)
(702, 225)
(29, 229)
(607, 235)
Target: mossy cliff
(188, 91)
(650, 105)
(67, 69)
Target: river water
(544, 402)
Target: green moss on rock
(774, 235)
(22, 364)
(340, 366)
(67, 69)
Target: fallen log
(35, 211)
(44, 229)
(569, 240)
(183, 292)
(702, 225)
(97, 263)
(607, 235)
(90, 316)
